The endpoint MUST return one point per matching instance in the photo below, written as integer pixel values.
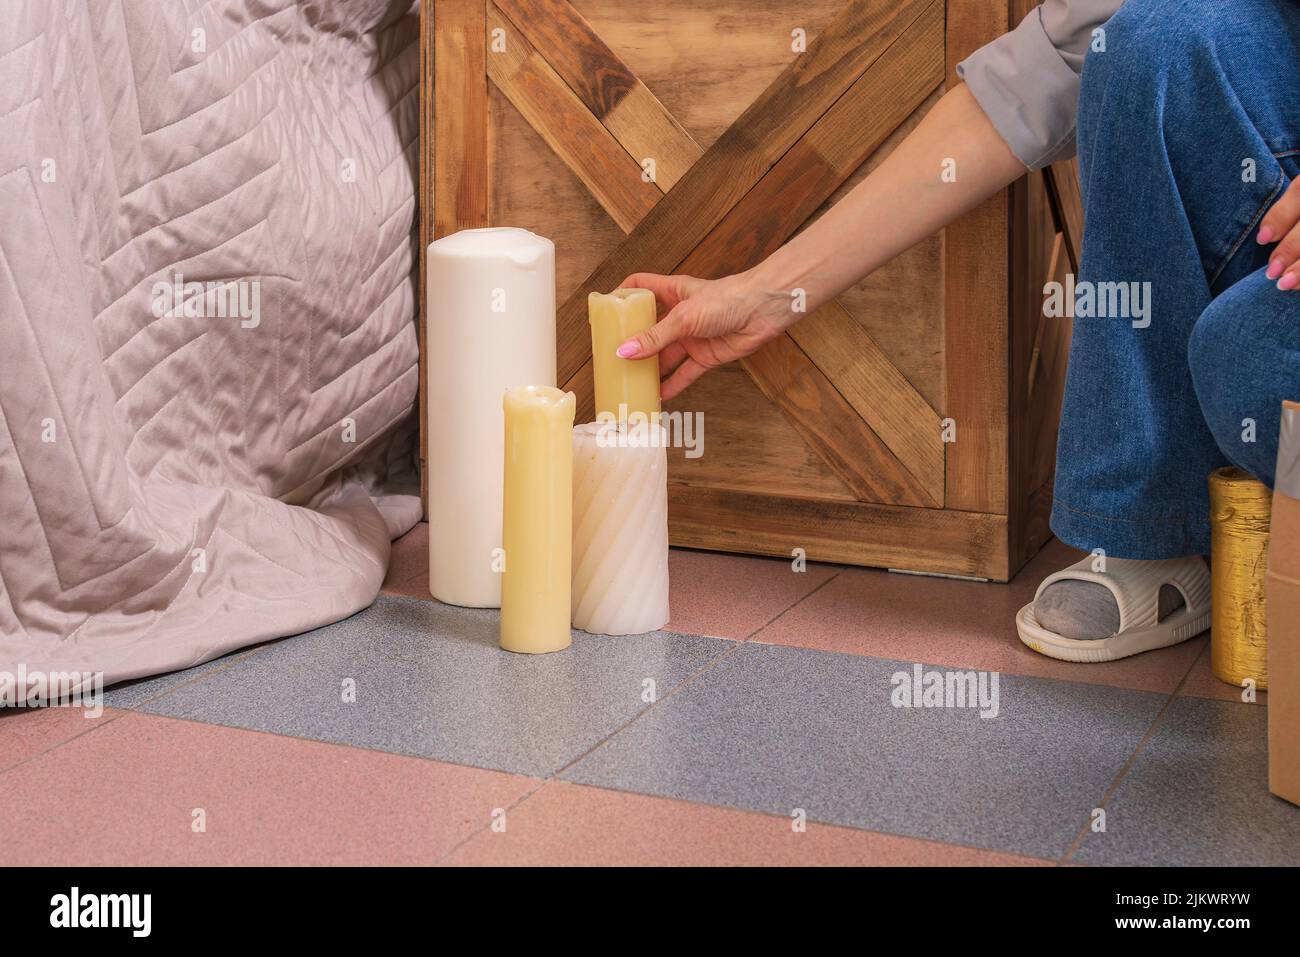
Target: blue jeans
(1189, 130)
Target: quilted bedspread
(208, 356)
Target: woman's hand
(707, 322)
(1281, 225)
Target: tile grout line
(235, 659)
(736, 644)
(1120, 775)
(775, 816)
(541, 783)
(793, 605)
(135, 709)
(119, 714)
(554, 776)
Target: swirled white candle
(620, 529)
(491, 326)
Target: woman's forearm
(906, 198)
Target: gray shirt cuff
(1028, 90)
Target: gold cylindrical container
(1240, 509)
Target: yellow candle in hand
(632, 383)
(537, 519)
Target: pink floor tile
(408, 566)
(731, 596)
(960, 624)
(572, 824)
(32, 731)
(1201, 683)
(126, 794)
(727, 596)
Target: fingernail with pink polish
(1288, 281)
(630, 348)
(1274, 270)
(1265, 236)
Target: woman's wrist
(782, 290)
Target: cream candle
(538, 520)
(620, 529)
(632, 383)
(491, 326)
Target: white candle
(620, 529)
(491, 326)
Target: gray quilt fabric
(208, 359)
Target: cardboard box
(1283, 600)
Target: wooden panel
(875, 389)
(707, 62)
(1039, 357)
(453, 191)
(740, 157)
(749, 444)
(827, 154)
(530, 187)
(885, 536)
(1062, 181)
(424, 235)
(907, 466)
(587, 148)
(611, 92)
(569, 124)
(910, 286)
(976, 333)
(832, 148)
(829, 425)
(460, 153)
(1047, 365)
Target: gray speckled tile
(774, 728)
(134, 694)
(431, 681)
(1198, 795)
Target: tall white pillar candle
(620, 529)
(491, 326)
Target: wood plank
(453, 189)
(424, 232)
(884, 536)
(977, 332)
(588, 66)
(900, 305)
(840, 141)
(707, 62)
(607, 171)
(749, 444)
(531, 187)
(605, 84)
(460, 103)
(1062, 180)
(1046, 381)
(831, 427)
(740, 157)
(876, 390)
(1026, 202)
